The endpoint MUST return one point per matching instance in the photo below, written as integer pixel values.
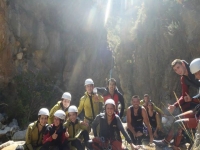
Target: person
(144, 102)
(55, 135)
(186, 103)
(91, 103)
(136, 116)
(76, 129)
(181, 67)
(111, 91)
(109, 132)
(154, 119)
(35, 131)
(63, 104)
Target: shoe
(160, 143)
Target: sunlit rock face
(152, 34)
(65, 40)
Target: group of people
(61, 128)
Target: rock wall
(52, 45)
(152, 34)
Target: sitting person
(154, 120)
(75, 129)
(109, 132)
(61, 105)
(55, 135)
(144, 102)
(36, 130)
(136, 118)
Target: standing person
(35, 131)
(136, 116)
(144, 102)
(154, 119)
(111, 91)
(63, 104)
(110, 128)
(91, 103)
(55, 135)
(76, 129)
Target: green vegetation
(30, 93)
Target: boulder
(19, 135)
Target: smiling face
(180, 69)
(150, 106)
(111, 86)
(56, 121)
(197, 75)
(72, 116)
(89, 88)
(43, 120)
(66, 103)
(110, 108)
(135, 103)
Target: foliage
(31, 93)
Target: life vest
(109, 131)
(137, 121)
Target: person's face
(197, 75)
(135, 102)
(111, 86)
(72, 116)
(150, 106)
(66, 103)
(43, 120)
(179, 69)
(89, 88)
(56, 121)
(110, 109)
(146, 99)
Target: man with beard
(136, 116)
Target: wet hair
(135, 96)
(176, 61)
(146, 95)
(112, 80)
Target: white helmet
(72, 108)
(110, 101)
(67, 95)
(43, 111)
(89, 81)
(60, 114)
(195, 65)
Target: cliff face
(152, 35)
(50, 47)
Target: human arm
(47, 137)
(157, 109)
(101, 90)
(95, 123)
(130, 127)
(185, 89)
(125, 134)
(158, 122)
(28, 138)
(81, 105)
(146, 122)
